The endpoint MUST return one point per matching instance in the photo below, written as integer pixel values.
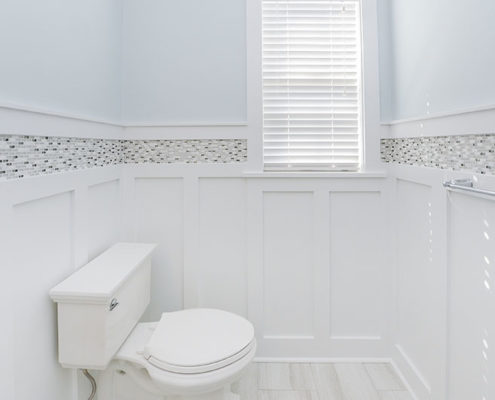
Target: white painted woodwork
(223, 241)
(288, 265)
(103, 217)
(472, 297)
(443, 285)
(49, 233)
(222, 266)
(158, 218)
(357, 265)
(43, 229)
(262, 248)
(415, 263)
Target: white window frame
(360, 110)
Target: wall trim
(417, 384)
(403, 379)
(439, 115)
(316, 175)
(44, 111)
(119, 123)
(180, 124)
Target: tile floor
(291, 381)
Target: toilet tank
(100, 304)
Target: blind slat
(311, 84)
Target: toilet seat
(131, 359)
(198, 340)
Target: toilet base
(107, 386)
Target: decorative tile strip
(185, 151)
(23, 156)
(473, 153)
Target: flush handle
(114, 303)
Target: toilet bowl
(189, 354)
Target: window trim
(361, 130)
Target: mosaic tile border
(24, 156)
(191, 151)
(473, 153)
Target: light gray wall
(385, 60)
(61, 56)
(439, 56)
(184, 61)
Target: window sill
(315, 174)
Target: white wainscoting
(303, 258)
(444, 293)
(51, 226)
(291, 254)
(472, 298)
(159, 218)
(45, 227)
(222, 244)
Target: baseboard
(415, 382)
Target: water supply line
(93, 383)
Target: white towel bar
(468, 186)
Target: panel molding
(21, 192)
(352, 270)
(279, 286)
(320, 342)
(432, 385)
(316, 345)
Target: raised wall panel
(43, 257)
(222, 230)
(288, 270)
(103, 216)
(7, 280)
(159, 219)
(357, 267)
(471, 298)
(416, 297)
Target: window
(312, 84)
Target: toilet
(188, 354)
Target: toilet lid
(198, 340)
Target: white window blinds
(311, 84)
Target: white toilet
(189, 354)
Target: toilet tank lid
(97, 281)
